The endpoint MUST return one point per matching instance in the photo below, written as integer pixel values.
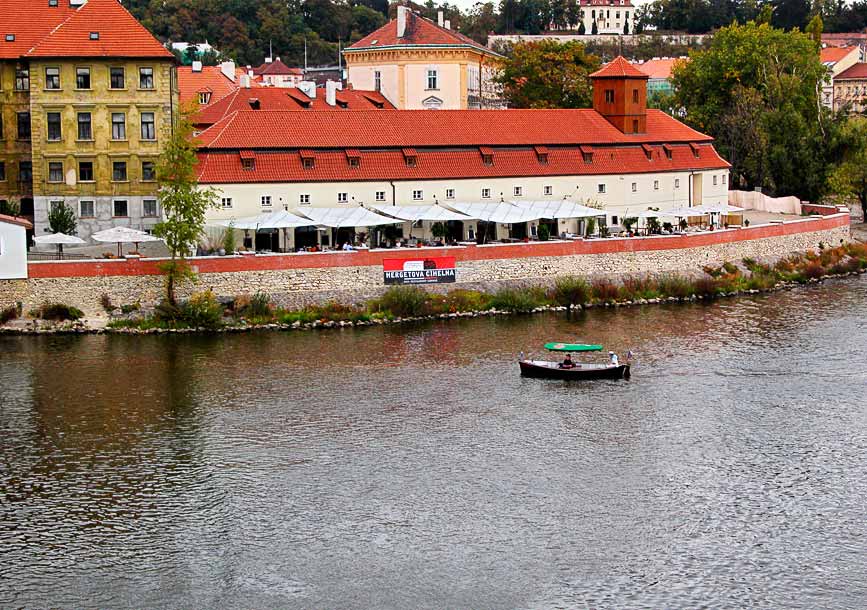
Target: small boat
(546, 369)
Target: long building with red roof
(87, 101)
(618, 155)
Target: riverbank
(203, 312)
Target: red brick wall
(374, 258)
(821, 210)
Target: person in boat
(567, 362)
(614, 360)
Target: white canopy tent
(272, 220)
(503, 212)
(59, 240)
(682, 212)
(719, 208)
(123, 235)
(337, 218)
(560, 209)
(414, 213)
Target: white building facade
(13, 247)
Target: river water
(411, 467)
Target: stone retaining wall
(320, 278)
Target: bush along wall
(203, 312)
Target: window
(656, 185)
(410, 161)
(85, 127)
(118, 171)
(248, 164)
(609, 96)
(23, 125)
(432, 79)
(94, 35)
(85, 171)
(600, 188)
(450, 193)
(121, 209)
(2, 171)
(266, 201)
(148, 130)
(149, 208)
(86, 209)
(118, 126)
(148, 171)
(380, 195)
(1, 125)
(635, 96)
(22, 79)
(117, 78)
(486, 193)
(677, 183)
(518, 191)
(547, 190)
(226, 203)
(342, 197)
(488, 159)
(614, 220)
(634, 187)
(204, 97)
(82, 78)
(587, 157)
(714, 180)
(25, 171)
(53, 126)
(52, 78)
(55, 171)
(377, 80)
(308, 162)
(724, 177)
(417, 195)
(145, 78)
(304, 199)
(635, 126)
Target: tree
(548, 74)
(10, 208)
(814, 30)
(595, 28)
(626, 28)
(581, 29)
(61, 219)
(849, 176)
(184, 203)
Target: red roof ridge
(16, 220)
(618, 67)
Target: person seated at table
(347, 247)
(567, 362)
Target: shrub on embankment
(203, 310)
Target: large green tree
(780, 140)
(548, 74)
(849, 176)
(183, 202)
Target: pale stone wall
(298, 287)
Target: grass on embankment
(204, 311)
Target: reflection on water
(412, 467)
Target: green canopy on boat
(572, 347)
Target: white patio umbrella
(415, 213)
(280, 219)
(60, 240)
(337, 218)
(123, 235)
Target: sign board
(429, 270)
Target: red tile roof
(835, 54)
(659, 68)
(29, 22)
(224, 167)
(270, 98)
(16, 220)
(277, 68)
(855, 72)
(419, 32)
(618, 68)
(211, 78)
(419, 128)
(119, 34)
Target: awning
(719, 208)
(413, 213)
(59, 239)
(682, 212)
(561, 209)
(272, 220)
(502, 212)
(346, 217)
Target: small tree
(61, 219)
(10, 208)
(590, 228)
(229, 239)
(184, 204)
(438, 230)
(626, 28)
(595, 29)
(582, 29)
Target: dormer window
(10, 37)
(410, 157)
(255, 104)
(586, 154)
(668, 151)
(308, 159)
(248, 160)
(204, 97)
(52, 2)
(648, 151)
(353, 157)
(94, 35)
(695, 150)
(487, 155)
(541, 154)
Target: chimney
(269, 60)
(331, 93)
(447, 24)
(197, 66)
(228, 70)
(245, 81)
(440, 18)
(308, 88)
(75, 3)
(402, 15)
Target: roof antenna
(305, 56)
(271, 50)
